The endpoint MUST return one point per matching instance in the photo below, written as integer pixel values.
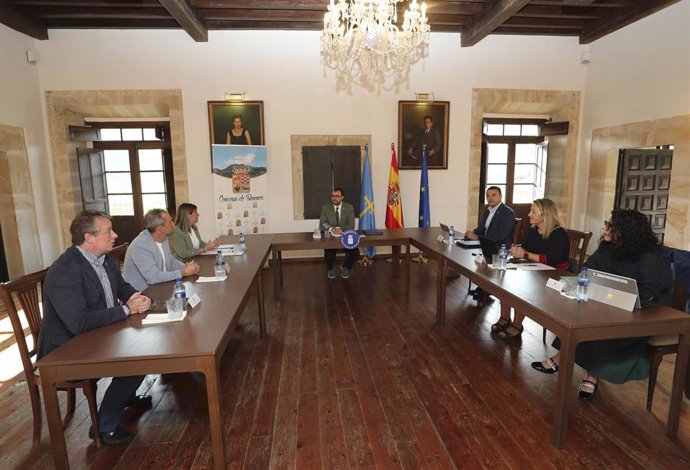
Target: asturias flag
(394, 215)
(367, 221)
(424, 211)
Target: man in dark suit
(84, 290)
(431, 138)
(338, 217)
(498, 220)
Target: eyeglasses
(607, 224)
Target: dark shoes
(500, 325)
(505, 333)
(546, 367)
(119, 437)
(140, 401)
(586, 390)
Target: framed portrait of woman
(236, 122)
(423, 123)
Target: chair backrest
(578, 248)
(516, 230)
(119, 254)
(28, 290)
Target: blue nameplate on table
(350, 240)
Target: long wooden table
(571, 321)
(195, 344)
(395, 238)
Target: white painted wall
(638, 73)
(21, 106)
(283, 69)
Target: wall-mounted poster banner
(241, 188)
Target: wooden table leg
(407, 271)
(563, 390)
(209, 368)
(260, 301)
(396, 260)
(441, 291)
(57, 435)
(277, 273)
(679, 381)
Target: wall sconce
(419, 96)
(234, 96)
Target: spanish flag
(394, 214)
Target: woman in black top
(629, 248)
(547, 242)
(238, 135)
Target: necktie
(337, 216)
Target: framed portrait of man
(236, 122)
(423, 123)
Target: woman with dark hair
(185, 241)
(238, 135)
(628, 247)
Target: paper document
(534, 267)
(153, 318)
(211, 279)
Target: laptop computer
(612, 289)
(463, 242)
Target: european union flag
(367, 221)
(424, 210)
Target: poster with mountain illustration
(241, 188)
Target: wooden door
(328, 167)
(643, 182)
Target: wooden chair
(28, 290)
(659, 346)
(578, 250)
(118, 253)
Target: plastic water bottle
(451, 235)
(243, 244)
(503, 257)
(179, 291)
(219, 268)
(582, 285)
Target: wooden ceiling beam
(15, 19)
(635, 11)
(541, 11)
(185, 16)
(491, 19)
(89, 4)
(117, 23)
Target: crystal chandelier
(363, 44)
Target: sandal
(586, 390)
(507, 335)
(546, 367)
(500, 325)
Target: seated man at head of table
(149, 260)
(497, 224)
(84, 290)
(339, 216)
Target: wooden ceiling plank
(636, 11)
(185, 16)
(89, 4)
(541, 11)
(13, 18)
(491, 19)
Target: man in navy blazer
(498, 220)
(84, 290)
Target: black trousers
(350, 257)
(120, 390)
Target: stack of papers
(154, 318)
(211, 279)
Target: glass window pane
(152, 182)
(524, 174)
(525, 153)
(496, 174)
(110, 134)
(512, 129)
(119, 182)
(131, 134)
(121, 205)
(530, 129)
(153, 201)
(494, 129)
(150, 159)
(150, 134)
(497, 153)
(523, 194)
(116, 160)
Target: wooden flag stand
(365, 261)
(419, 258)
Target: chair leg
(36, 410)
(654, 361)
(543, 335)
(90, 394)
(71, 404)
